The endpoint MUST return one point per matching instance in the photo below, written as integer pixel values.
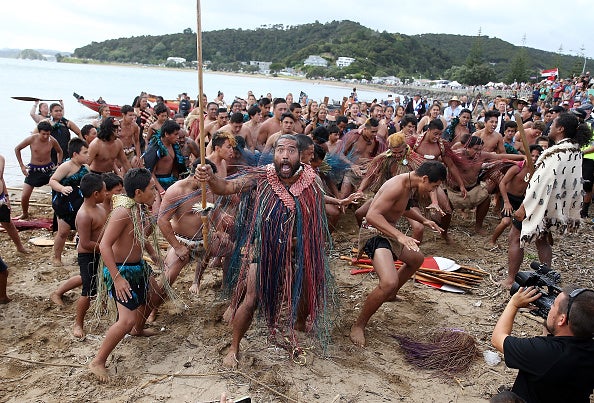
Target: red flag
(550, 73)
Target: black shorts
(517, 224)
(588, 173)
(4, 213)
(515, 201)
(88, 264)
(3, 266)
(377, 242)
(39, 177)
(69, 219)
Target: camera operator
(558, 367)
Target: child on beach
(66, 196)
(89, 222)
(39, 170)
(113, 186)
(126, 274)
(5, 219)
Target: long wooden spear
(201, 121)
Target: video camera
(545, 280)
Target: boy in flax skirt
(126, 275)
(89, 221)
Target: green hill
(376, 53)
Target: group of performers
(275, 194)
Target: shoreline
(442, 94)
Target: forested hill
(376, 53)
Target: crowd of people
(279, 173)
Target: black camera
(543, 278)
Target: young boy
(508, 137)
(113, 186)
(39, 170)
(67, 197)
(161, 116)
(512, 189)
(89, 223)
(5, 219)
(126, 274)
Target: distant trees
(30, 54)
(475, 70)
(467, 59)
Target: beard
(285, 170)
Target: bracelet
(116, 276)
(162, 193)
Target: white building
(344, 61)
(176, 59)
(315, 60)
(263, 67)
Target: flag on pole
(550, 73)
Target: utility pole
(583, 50)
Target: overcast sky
(67, 24)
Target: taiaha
(201, 122)
(527, 153)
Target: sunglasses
(572, 296)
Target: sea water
(120, 85)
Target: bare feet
(78, 331)
(195, 288)
(5, 300)
(144, 332)
(56, 299)
(228, 315)
(358, 336)
(230, 360)
(24, 251)
(506, 283)
(22, 217)
(394, 298)
(99, 370)
(57, 262)
(481, 231)
(446, 237)
(152, 317)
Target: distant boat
(114, 110)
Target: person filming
(558, 367)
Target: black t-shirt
(551, 369)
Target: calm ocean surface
(119, 85)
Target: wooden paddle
(33, 99)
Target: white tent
(454, 84)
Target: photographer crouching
(558, 367)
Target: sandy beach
(42, 361)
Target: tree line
(433, 56)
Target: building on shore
(315, 60)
